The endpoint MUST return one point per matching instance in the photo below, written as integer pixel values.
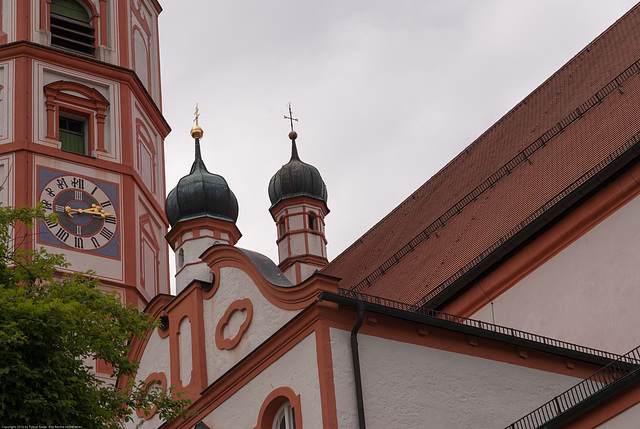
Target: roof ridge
(503, 171)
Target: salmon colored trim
(157, 377)
(92, 66)
(94, 102)
(289, 298)
(104, 38)
(574, 225)
(182, 227)
(607, 410)
(147, 58)
(322, 316)
(296, 202)
(137, 346)
(23, 21)
(188, 304)
(251, 366)
(272, 404)
(239, 305)
(325, 375)
(314, 260)
(99, 164)
(45, 7)
(3, 34)
(145, 25)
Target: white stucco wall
(267, 318)
(156, 358)
(587, 294)
(297, 369)
(410, 386)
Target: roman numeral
(106, 233)
(110, 219)
(94, 189)
(62, 184)
(78, 195)
(51, 224)
(94, 241)
(62, 235)
(59, 208)
(77, 183)
(79, 243)
(79, 229)
(106, 203)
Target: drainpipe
(356, 364)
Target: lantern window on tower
(71, 28)
(313, 222)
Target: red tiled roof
(563, 132)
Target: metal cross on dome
(290, 117)
(197, 114)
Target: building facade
(500, 294)
(469, 305)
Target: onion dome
(201, 193)
(297, 179)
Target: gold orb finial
(293, 135)
(196, 131)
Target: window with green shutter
(72, 135)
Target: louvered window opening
(70, 25)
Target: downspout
(356, 364)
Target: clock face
(87, 217)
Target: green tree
(50, 325)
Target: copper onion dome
(201, 193)
(297, 179)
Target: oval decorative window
(242, 306)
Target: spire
(197, 133)
(298, 198)
(200, 193)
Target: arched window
(70, 26)
(180, 257)
(280, 410)
(313, 222)
(285, 419)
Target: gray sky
(386, 92)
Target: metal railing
(623, 368)
(478, 324)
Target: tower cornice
(91, 65)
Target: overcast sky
(386, 91)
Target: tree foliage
(52, 325)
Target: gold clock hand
(101, 211)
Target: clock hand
(94, 210)
(100, 211)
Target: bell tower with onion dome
(202, 211)
(298, 206)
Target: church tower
(81, 132)
(202, 211)
(298, 206)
